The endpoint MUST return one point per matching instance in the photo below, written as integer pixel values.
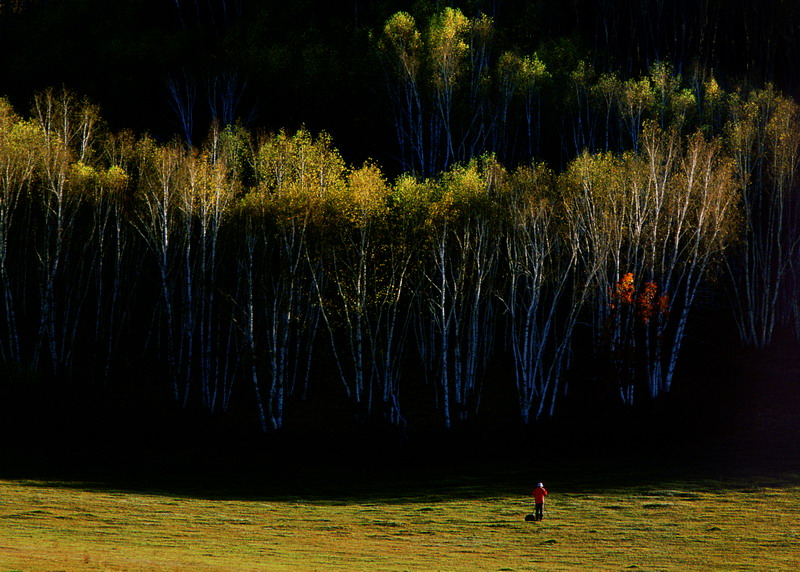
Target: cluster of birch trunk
(458, 91)
(453, 97)
(249, 269)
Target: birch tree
(448, 50)
(102, 191)
(67, 135)
(460, 277)
(763, 135)
(541, 260)
(608, 89)
(158, 222)
(182, 91)
(479, 122)
(365, 292)
(638, 99)
(401, 47)
(597, 212)
(692, 221)
(704, 221)
(654, 223)
(532, 75)
(283, 278)
(117, 263)
(19, 142)
(209, 195)
(584, 122)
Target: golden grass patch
(710, 525)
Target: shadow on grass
(409, 480)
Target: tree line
(236, 272)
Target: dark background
(312, 63)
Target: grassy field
(449, 523)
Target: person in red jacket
(538, 496)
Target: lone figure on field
(538, 496)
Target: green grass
(446, 524)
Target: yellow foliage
(713, 91)
(446, 39)
(403, 42)
(300, 165)
(116, 177)
(369, 191)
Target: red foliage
(663, 304)
(624, 291)
(646, 302)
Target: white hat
(540, 485)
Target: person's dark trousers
(539, 513)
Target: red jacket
(538, 494)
